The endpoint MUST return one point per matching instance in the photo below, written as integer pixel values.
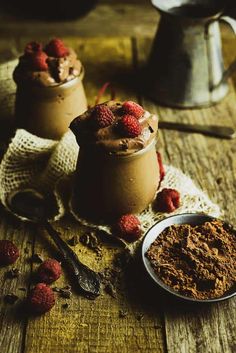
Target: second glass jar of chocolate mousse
(117, 170)
(50, 91)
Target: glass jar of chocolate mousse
(117, 170)
(50, 91)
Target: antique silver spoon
(210, 130)
(33, 207)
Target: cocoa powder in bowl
(196, 261)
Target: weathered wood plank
(105, 20)
(211, 163)
(96, 326)
(12, 318)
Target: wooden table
(139, 318)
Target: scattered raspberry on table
(49, 271)
(41, 299)
(168, 200)
(128, 227)
(9, 253)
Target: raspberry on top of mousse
(110, 127)
(38, 61)
(33, 47)
(56, 48)
(132, 108)
(47, 65)
(129, 126)
(102, 116)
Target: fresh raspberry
(41, 298)
(167, 200)
(128, 227)
(8, 252)
(102, 116)
(161, 167)
(33, 47)
(129, 126)
(49, 271)
(133, 108)
(56, 48)
(38, 61)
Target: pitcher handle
(232, 67)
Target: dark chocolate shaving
(123, 313)
(110, 289)
(91, 241)
(64, 292)
(23, 289)
(13, 273)
(11, 298)
(74, 240)
(37, 258)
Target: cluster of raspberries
(128, 125)
(41, 298)
(128, 227)
(37, 56)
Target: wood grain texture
(154, 322)
(95, 326)
(211, 164)
(118, 18)
(12, 317)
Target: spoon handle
(87, 280)
(211, 130)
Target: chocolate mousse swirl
(60, 70)
(109, 139)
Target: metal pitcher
(186, 66)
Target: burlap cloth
(47, 167)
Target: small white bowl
(155, 231)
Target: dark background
(76, 18)
(83, 18)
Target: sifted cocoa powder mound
(196, 261)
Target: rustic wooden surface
(135, 17)
(154, 322)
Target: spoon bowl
(32, 206)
